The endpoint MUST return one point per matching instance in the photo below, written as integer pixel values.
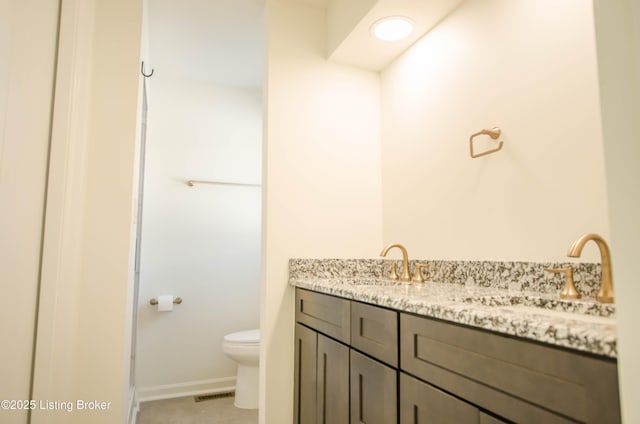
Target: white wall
(618, 31)
(201, 243)
(528, 67)
(322, 177)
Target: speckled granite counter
(534, 313)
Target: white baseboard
(189, 388)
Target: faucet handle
(417, 276)
(569, 291)
(393, 275)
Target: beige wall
(342, 17)
(536, 75)
(322, 176)
(84, 326)
(618, 31)
(28, 32)
(107, 273)
(496, 63)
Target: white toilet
(244, 348)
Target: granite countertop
(584, 325)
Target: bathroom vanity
(372, 351)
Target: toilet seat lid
(248, 337)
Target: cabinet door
(421, 403)
(304, 406)
(333, 382)
(373, 391)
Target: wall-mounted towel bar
(494, 133)
(192, 183)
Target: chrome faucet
(605, 294)
(405, 276)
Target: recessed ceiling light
(392, 28)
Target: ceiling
(222, 41)
(217, 41)
(351, 42)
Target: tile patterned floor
(186, 411)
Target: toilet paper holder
(177, 301)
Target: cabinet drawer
(519, 380)
(327, 314)
(374, 330)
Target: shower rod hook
(142, 70)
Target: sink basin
(552, 313)
(549, 306)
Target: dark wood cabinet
(364, 364)
(519, 380)
(374, 391)
(374, 331)
(305, 374)
(327, 314)
(421, 403)
(490, 419)
(333, 382)
(321, 379)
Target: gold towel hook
(494, 133)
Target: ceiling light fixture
(392, 28)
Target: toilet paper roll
(165, 303)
